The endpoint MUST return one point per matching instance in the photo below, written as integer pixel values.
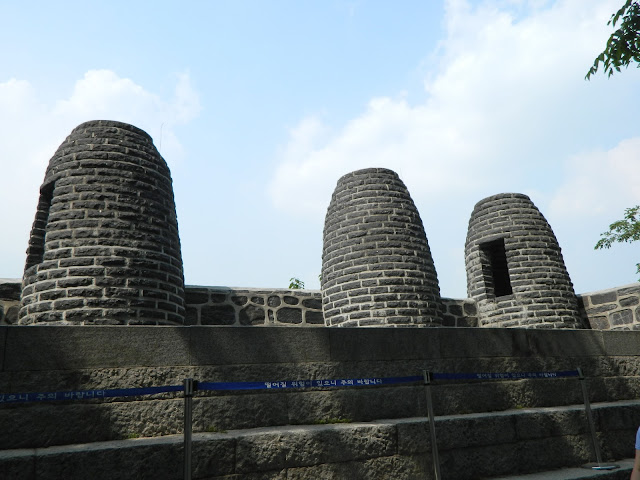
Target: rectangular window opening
(497, 268)
(35, 251)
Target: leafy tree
(625, 230)
(623, 46)
(295, 283)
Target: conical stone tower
(377, 268)
(515, 269)
(104, 248)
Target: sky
(260, 107)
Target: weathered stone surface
(315, 303)
(249, 306)
(195, 296)
(487, 445)
(75, 347)
(240, 411)
(10, 290)
(274, 301)
(629, 301)
(252, 315)
(289, 300)
(621, 318)
(226, 346)
(104, 244)
(240, 354)
(314, 318)
(394, 467)
(239, 299)
(601, 298)
(377, 267)
(314, 445)
(383, 344)
(515, 269)
(217, 315)
(137, 458)
(289, 315)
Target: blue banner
(341, 382)
(504, 375)
(85, 394)
(273, 385)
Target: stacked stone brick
(530, 287)
(253, 307)
(104, 248)
(613, 309)
(377, 267)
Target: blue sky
(259, 108)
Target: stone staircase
(485, 429)
(506, 445)
(622, 472)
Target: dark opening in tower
(495, 261)
(35, 251)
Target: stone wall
(377, 267)
(515, 269)
(9, 300)
(526, 425)
(104, 247)
(253, 306)
(250, 306)
(613, 309)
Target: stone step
(41, 424)
(470, 446)
(621, 473)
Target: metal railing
(428, 379)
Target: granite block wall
(515, 269)
(613, 309)
(104, 247)
(250, 306)
(377, 267)
(9, 301)
(253, 306)
(514, 421)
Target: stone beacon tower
(515, 270)
(377, 268)
(104, 247)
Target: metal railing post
(188, 413)
(592, 426)
(428, 378)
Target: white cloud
(102, 94)
(502, 84)
(507, 108)
(599, 182)
(33, 128)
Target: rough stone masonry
(104, 247)
(377, 267)
(515, 269)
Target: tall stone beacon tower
(377, 268)
(515, 269)
(104, 247)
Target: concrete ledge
(225, 346)
(621, 343)
(568, 343)
(379, 344)
(484, 342)
(74, 347)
